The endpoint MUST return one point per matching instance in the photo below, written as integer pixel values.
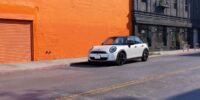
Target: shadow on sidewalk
(192, 55)
(99, 65)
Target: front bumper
(102, 57)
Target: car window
(119, 41)
(138, 40)
(130, 38)
(135, 39)
(115, 41)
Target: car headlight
(113, 49)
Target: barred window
(145, 1)
(175, 4)
(186, 5)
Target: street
(174, 77)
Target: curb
(36, 69)
(47, 67)
(182, 53)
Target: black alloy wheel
(121, 58)
(145, 55)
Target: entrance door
(195, 37)
(15, 41)
(172, 39)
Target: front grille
(102, 58)
(98, 52)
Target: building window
(145, 1)
(186, 5)
(186, 8)
(175, 4)
(145, 4)
(186, 2)
(144, 33)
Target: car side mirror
(130, 42)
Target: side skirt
(133, 58)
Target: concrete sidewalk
(62, 63)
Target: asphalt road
(161, 78)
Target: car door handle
(142, 45)
(135, 46)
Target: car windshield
(115, 41)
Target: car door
(132, 48)
(139, 46)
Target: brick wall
(68, 28)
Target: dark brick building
(163, 24)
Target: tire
(145, 55)
(90, 62)
(121, 58)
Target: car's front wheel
(145, 55)
(121, 58)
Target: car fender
(121, 50)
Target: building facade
(32, 30)
(163, 24)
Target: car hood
(102, 48)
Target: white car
(119, 50)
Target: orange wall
(68, 28)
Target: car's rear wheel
(121, 58)
(145, 55)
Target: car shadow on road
(89, 65)
(127, 98)
(191, 95)
(30, 95)
(99, 65)
(192, 55)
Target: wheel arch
(146, 49)
(123, 51)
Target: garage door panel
(15, 41)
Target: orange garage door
(15, 41)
